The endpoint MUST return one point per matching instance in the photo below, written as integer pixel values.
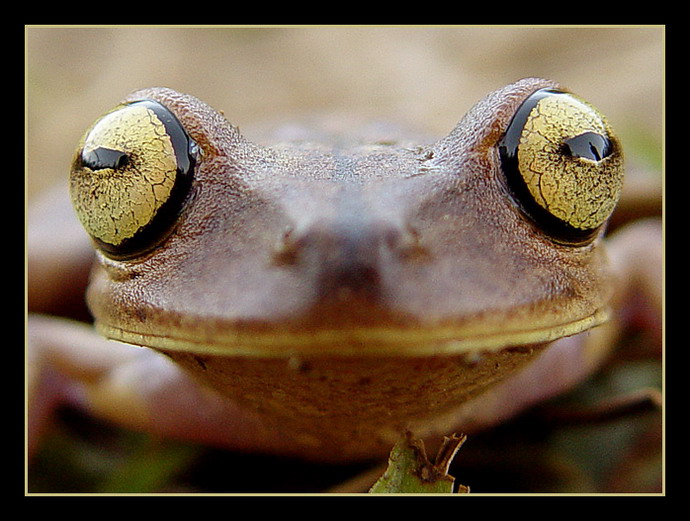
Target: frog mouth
(364, 341)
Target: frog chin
(332, 405)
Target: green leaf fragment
(410, 471)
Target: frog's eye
(130, 177)
(563, 165)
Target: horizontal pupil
(100, 158)
(589, 145)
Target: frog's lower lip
(353, 342)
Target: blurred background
(427, 77)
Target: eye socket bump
(130, 177)
(563, 165)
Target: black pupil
(100, 158)
(589, 145)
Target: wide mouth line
(352, 342)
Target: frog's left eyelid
(563, 165)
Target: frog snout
(352, 260)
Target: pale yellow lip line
(364, 342)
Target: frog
(317, 294)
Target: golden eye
(563, 164)
(130, 176)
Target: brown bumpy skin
(377, 397)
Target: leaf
(410, 471)
(152, 463)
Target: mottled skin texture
(337, 293)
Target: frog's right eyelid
(127, 193)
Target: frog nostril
(409, 244)
(346, 261)
(405, 241)
(285, 251)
